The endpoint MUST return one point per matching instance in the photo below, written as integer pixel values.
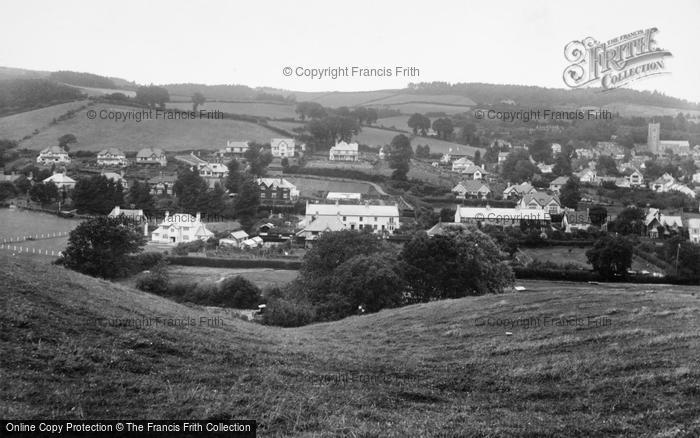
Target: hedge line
(212, 262)
(333, 173)
(580, 276)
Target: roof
(240, 234)
(111, 151)
(343, 195)
(162, 179)
(441, 228)
(520, 188)
(474, 169)
(463, 160)
(560, 180)
(351, 210)
(275, 182)
(503, 213)
(540, 197)
(325, 223)
(343, 146)
(215, 167)
(113, 176)
(191, 159)
(577, 217)
(277, 141)
(471, 185)
(60, 178)
(54, 150)
(178, 220)
(149, 152)
(237, 144)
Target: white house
(151, 156)
(378, 218)
(541, 201)
(236, 238)
(344, 152)
(112, 157)
(694, 230)
(587, 175)
(505, 217)
(253, 242)
(474, 172)
(180, 228)
(462, 164)
(61, 181)
(545, 168)
(518, 190)
(213, 170)
(236, 148)
(283, 147)
(556, 149)
(635, 177)
(53, 154)
(320, 225)
(667, 183)
(134, 215)
(277, 189)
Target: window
(361, 218)
(345, 218)
(352, 226)
(391, 220)
(375, 219)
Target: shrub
(145, 261)
(155, 280)
(237, 292)
(287, 313)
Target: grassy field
(262, 277)
(18, 126)
(312, 187)
(577, 256)
(170, 135)
(257, 109)
(19, 223)
(625, 364)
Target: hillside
(170, 135)
(424, 370)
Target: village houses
(503, 217)
(558, 183)
(378, 218)
(112, 157)
(180, 228)
(276, 189)
(471, 189)
(284, 147)
(541, 201)
(151, 156)
(61, 181)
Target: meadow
(314, 187)
(17, 126)
(256, 109)
(560, 359)
(16, 223)
(577, 256)
(170, 135)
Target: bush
(286, 313)
(237, 292)
(155, 280)
(145, 261)
(188, 247)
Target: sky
(251, 42)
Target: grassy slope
(171, 135)
(16, 126)
(418, 371)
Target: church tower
(653, 136)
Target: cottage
(283, 147)
(53, 155)
(545, 168)
(558, 183)
(116, 178)
(667, 183)
(151, 156)
(344, 152)
(634, 177)
(213, 170)
(378, 218)
(575, 220)
(135, 215)
(112, 157)
(462, 164)
(343, 196)
(254, 242)
(541, 201)
(276, 189)
(320, 225)
(61, 180)
(656, 221)
(236, 239)
(471, 189)
(235, 148)
(180, 228)
(587, 175)
(504, 217)
(502, 157)
(556, 149)
(442, 228)
(475, 172)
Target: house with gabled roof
(53, 155)
(180, 228)
(471, 189)
(634, 176)
(558, 183)
(277, 189)
(112, 157)
(151, 156)
(61, 180)
(541, 201)
(462, 164)
(518, 190)
(344, 151)
(378, 218)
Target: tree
(453, 265)
(423, 151)
(371, 116)
(7, 191)
(197, 100)
(194, 196)
(285, 162)
(100, 246)
(233, 180)
(400, 154)
(611, 256)
(419, 122)
(152, 96)
(570, 193)
(97, 195)
(312, 110)
(683, 254)
(247, 203)
(629, 221)
(606, 166)
(443, 127)
(517, 167)
(477, 157)
(562, 165)
(66, 140)
(140, 197)
(598, 215)
(43, 193)
(258, 159)
(238, 293)
(541, 151)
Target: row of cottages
(112, 157)
(667, 183)
(285, 147)
(53, 155)
(180, 228)
(344, 152)
(276, 189)
(471, 189)
(162, 184)
(659, 224)
(151, 156)
(320, 218)
(631, 177)
(503, 217)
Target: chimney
(199, 217)
(117, 210)
(145, 229)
